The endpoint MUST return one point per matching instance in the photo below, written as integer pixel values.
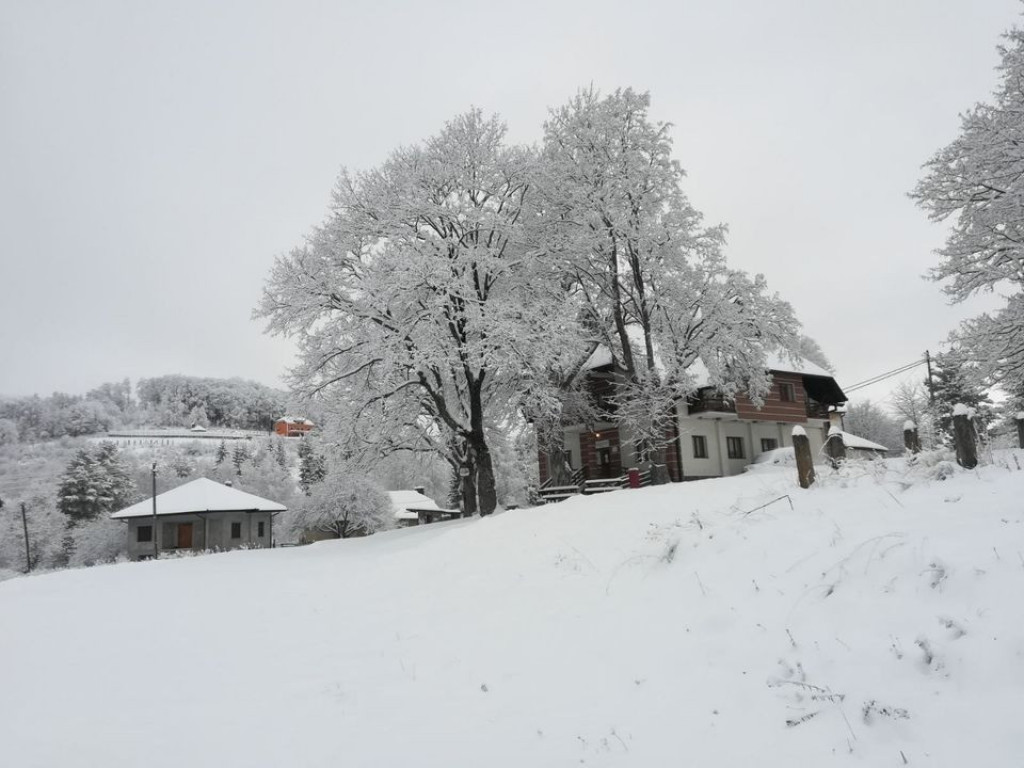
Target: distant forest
(164, 401)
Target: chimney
(228, 483)
(835, 419)
(420, 489)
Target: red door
(184, 535)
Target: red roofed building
(292, 426)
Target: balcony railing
(710, 402)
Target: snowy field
(877, 623)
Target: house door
(184, 535)
(604, 462)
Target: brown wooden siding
(775, 408)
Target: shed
(407, 503)
(860, 447)
(202, 514)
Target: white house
(202, 514)
(710, 435)
(407, 505)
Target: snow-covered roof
(602, 356)
(294, 420)
(860, 443)
(403, 501)
(202, 495)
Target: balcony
(709, 401)
(816, 410)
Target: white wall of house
(210, 530)
(717, 431)
(699, 467)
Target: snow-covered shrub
(341, 506)
(98, 541)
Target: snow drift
(873, 620)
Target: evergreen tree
(94, 484)
(953, 381)
(238, 458)
(222, 452)
(279, 455)
(312, 466)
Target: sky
(156, 157)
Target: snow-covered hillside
(876, 622)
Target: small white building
(858, 447)
(199, 515)
(407, 506)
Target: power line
(887, 375)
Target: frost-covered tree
(653, 280)
(222, 452)
(976, 183)
(238, 457)
(420, 302)
(344, 505)
(312, 465)
(8, 431)
(810, 350)
(957, 380)
(910, 402)
(871, 422)
(95, 483)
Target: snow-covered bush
(341, 506)
(98, 541)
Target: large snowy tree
(419, 303)
(94, 483)
(654, 282)
(977, 183)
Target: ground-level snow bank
(876, 622)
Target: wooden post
(156, 525)
(834, 447)
(911, 438)
(1020, 429)
(804, 460)
(964, 437)
(24, 526)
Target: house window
(734, 447)
(259, 529)
(787, 392)
(700, 447)
(236, 530)
(144, 533)
(769, 443)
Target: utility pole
(931, 390)
(156, 550)
(24, 527)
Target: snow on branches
(419, 303)
(978, 182)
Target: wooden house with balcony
(710, 435)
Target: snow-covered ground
(877, 622)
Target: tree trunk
(659, 466)
(485, 486)
(469, 505)
(559, 471)
(1020, 431)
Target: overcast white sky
(155, 157)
